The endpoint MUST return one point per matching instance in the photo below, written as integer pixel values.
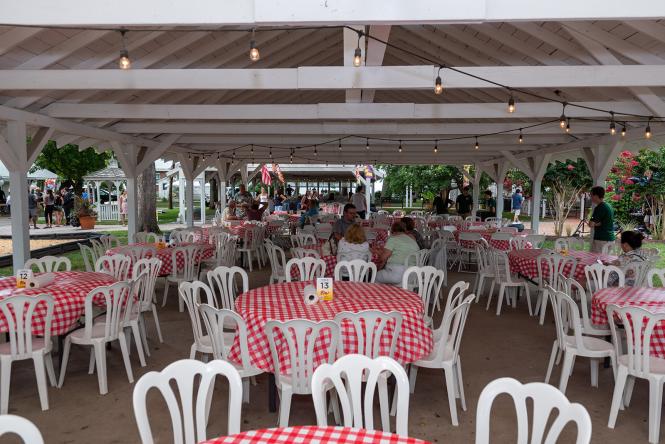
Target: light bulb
(613, 128)
(562, 121)
(339, 147)
(400, 147)
(647, 131)
(568, 127)
(511, 104)
(623, 131)
(477, 146)
(520, 139)
(357, 57)
(438, 86)
(367, 146)
(124, 62)
(254, 55)
(436, 147)
(315, 152)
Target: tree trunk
(170, 192)
(147, 200)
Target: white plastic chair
(598, 276)
(293, 341)
(251, 245)
(369, 327)
(445, 355)
(576, 291)
(466, 237)
(656, 273)
(553, 266)
(98, 248)
(506, 279)
(146, 238)
(109, 241)
(536, 240)
(277, 260)
(417, 259)
(22, 427)
(116, 265)
(636, 273)
(346, 376)
(612, 249)
(303, 239)
(502, 236)
(356, 270)
(49, 264)
(188, 410)
(190, 294)
(216, 320)
(486, 270)
(438, 257)
(323, 231)
(146, 300)
(569, 243)
(567, 317)
(300, 253)
(519, 243)
(545, 400)
(308, 268)
(428, 282)
(137, 252)
(22, 345)
(223, 283)
(118, 301)
(636, 362)
(89, 257)
(190, 255)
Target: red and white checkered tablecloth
(315, 435)
(164, 254)
(68, 290)
(239, 230)
(284, 302)
(503, 245)
(525, 262)
(652, 299)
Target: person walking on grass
(517, 205)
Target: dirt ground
(6, 244)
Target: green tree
(69, 163)
(563, 183)
(427, 180)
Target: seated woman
(398, 247)
(229, 212)
(411, 231)
(353, 245)
(631, 244)
(312, 212)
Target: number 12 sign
(22, 277)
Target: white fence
(108, 211)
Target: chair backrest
(118, 300)
(428, 280)
(638, 325)
(467, 236)
(309, 268)
(218, 319)
(151, 267)
(109, 241)
(612, 248)
(598, 276)
(636, 273)
(545, 399)
(566, 318)
(18, 312)
(226, 250)
(189, 412)
(485, 263)
(137, 252)
(276, 256)
(180, 236)
(253, 237)
(116, 265)
(89, 257)
(536, 240)
(449, 333)
(653, 274)
(323, 231)
(22, 427)
(501, 266)
(145, 237)
(302, 239)
(222, 281)
(299, 252)
(500, 235)
(418, 258)
(519, 243)
(455, 296)
(356, 270)
(369, 327)
(97, 247)
(347, 375)
(190, 257)
(552, 265)
(472, 219)
(49, 264)
(292, 346)
(190, 292)
(569, 243)
(576, 291)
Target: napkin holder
(40, 281)
(310, 296)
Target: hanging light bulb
(367, 145)
(124, 62)
(647, 130)
(339, 147)
(623, 130)
(438, 85)
(233, 155)
(358, 54)
(291, 156)
(568, 127)
(270, 153)
(520, 139)
(477, 146)
(563, 119)
(254, 54)
(189, 156)
(436, 147)
(613, 127)
(315, 152)
(511, 104)
(217, 156)
(400, 147)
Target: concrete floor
(512, 344)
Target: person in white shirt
(354, 245)
(358, 200)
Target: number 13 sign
(324, 288)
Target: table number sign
(23, 275)
(324, 288)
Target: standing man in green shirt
(602, 220)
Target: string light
(339, 147)
(254, 54)
(520, 139)
(438, 86)
(189, 156)
(233, 155)
(270, 154)
(647, 130)
(613, 128)
(511, 104)
(623, 130)
(400, 147)
(124, 62)
(568, 127)
(315, 152)
(217, 156)
(477, 146)
(291, 156)
(436, 147)
(563, 119)
(358, 54)
(367, 145)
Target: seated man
(411, 231)
(229, 212)
(348, 218)
(255, 211)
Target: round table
(652, 299)
(284, 302)
(525, 262)
(314, 434)
(165, 254)
(68, 290)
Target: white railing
(108, 212)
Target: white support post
(600, 159)
(222, 171)
(181, 197)
(132, 209)
(476, 190)
(367, 196)
(538, 166)
(202, 183)
(187, 168)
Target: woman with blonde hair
(353, 245)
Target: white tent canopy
(194, 96)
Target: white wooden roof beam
(15, 37)
(306, 12)
(374, 54)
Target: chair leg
(383, 402)
(628, 392)
(50, 370)
(63, 362)
(413, 373)
(655, 406)
(166, 292)
(617, 397)
(125, 357)
(5, 379)
(100, 358)
(543, 307)
(40, 373)
(565, 371)
(137, 340)
(285, 407)
(159, 330)
(594, 371)
(502, 291)
(245, 391)
(91, 366)
(450, 387)
(192, 352)
(144, 335)
(550, 366)
(460, 384)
